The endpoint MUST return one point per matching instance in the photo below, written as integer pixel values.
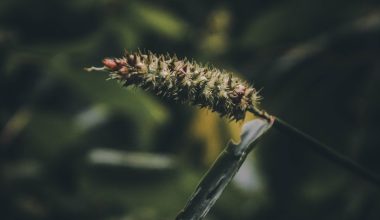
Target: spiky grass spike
(184, 80)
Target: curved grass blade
(222, 171)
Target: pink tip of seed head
(109, 63)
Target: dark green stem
(326, 151)
(319, 147)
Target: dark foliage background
(73, 146)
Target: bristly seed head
(184, 81)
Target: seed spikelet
(184, 81)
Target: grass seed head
(184, 81)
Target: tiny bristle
(184, 80)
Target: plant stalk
(319, 147)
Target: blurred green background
(74, 146)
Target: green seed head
(184, 81)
